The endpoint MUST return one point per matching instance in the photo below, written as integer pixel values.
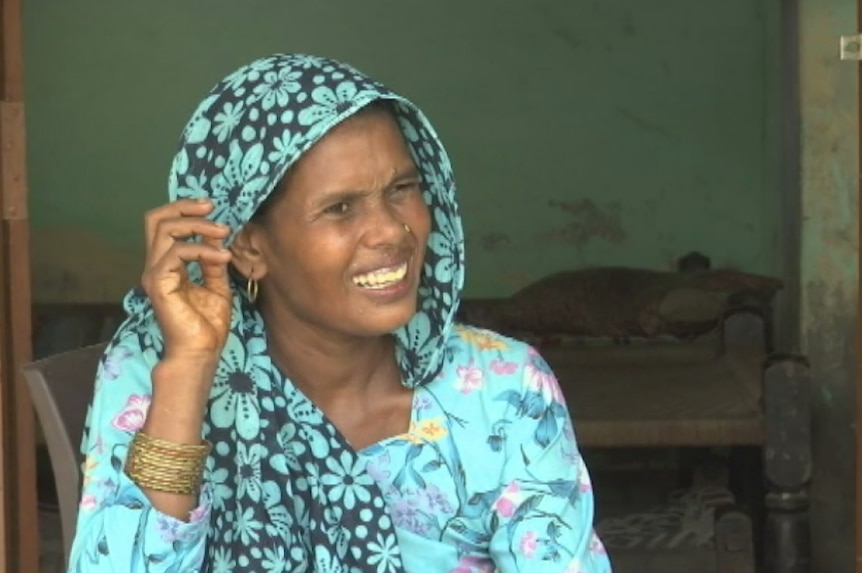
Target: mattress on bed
(661, 392)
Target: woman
(289, 392)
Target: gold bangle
(160, 465)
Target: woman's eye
(405, 187)
(340, 208)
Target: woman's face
(335, 251)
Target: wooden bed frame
(706, 392)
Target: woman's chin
(381, 320)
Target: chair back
(61, 387)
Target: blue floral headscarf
(282, 479)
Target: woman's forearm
(176, 413)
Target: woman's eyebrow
(346, 195)
(338, 196)
(403, 174)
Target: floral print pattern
(487, 476)
(491, 479)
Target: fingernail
(202, 200)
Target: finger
(168, 231)
(172, 210)
(169, 273)
(215, 274)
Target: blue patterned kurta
(488, 478)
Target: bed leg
(788, 539)
(734, 545)
(787, 465)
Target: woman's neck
(328, 367)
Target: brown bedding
(622, 303)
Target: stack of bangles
(159, 465)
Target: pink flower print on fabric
(88, 502)
(474, 564)
(131, 418)
(509, 500)
(539, 378)
(529, 543)
(200, 513)
(503, 368)
(469, 379)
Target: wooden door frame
(19, 545)
(858, 412)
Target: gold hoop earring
(407, 228)
(251, 289)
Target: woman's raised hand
(194, 318)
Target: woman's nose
(385, 227)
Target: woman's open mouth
(382, 278)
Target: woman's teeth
(382, 278)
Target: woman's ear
(247, 256)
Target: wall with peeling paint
(582, 133)
(829, 100)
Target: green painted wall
(587, 132)
(829, 270)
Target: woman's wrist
(180, 394)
